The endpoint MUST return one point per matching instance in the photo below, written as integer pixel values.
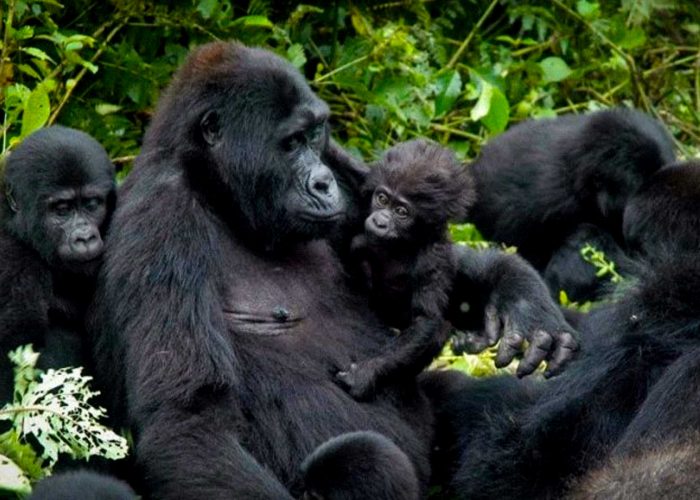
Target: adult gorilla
(221, 317)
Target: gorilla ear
(209, 126)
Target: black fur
(220, 316)
(47, 259)
(662, 218)
(536, 450)
(359, 466)
(84, 484)
(540, 180)
(406, 257)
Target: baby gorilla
(406, 257)
(357, 466)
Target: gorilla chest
(270, 297)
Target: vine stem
(468, 39)
(81, 74)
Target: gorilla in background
(542, 178)
(222, 312)
(55, 204)
(674, 194)
(632, 397)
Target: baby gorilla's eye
(401, 211)
(382, 199)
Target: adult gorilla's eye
(315, 133)
(92, 204)
(294, 141)
(401, 211)
(382, 199)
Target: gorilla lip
(320, 217)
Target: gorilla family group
(238, 301)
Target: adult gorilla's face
(262, 132)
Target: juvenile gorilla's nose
(86, 244)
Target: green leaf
(36, 111)
(588, 10)
(257, 21)
(491, 108)
(206, 8)
(449, 86)
(39, 54)
(12, 478)
(296, 56)
(106, 109)
(632, 38)
(554, 69)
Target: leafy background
(456, 71)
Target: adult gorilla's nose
(322, 185)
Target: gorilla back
(220, 314)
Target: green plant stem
(81, 74)
(468, 39)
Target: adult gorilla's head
(251, 134)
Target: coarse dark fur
(536, 450)
(222, 311)
(55, 203)
(541, 179)
(662, 218)
(405, 256)
(359, 466)
(82, 484)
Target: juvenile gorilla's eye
(401, 211)
(382, 199)
(61, 208)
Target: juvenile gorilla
(406, 258)
(57, 197)
(542, 178)
(221, 315)
(359, 466)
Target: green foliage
(605, 268)
(50, 415)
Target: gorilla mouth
(321, 216)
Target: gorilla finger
(564, 352)
(539, 349)
(511, 344)
(470, 342)
(492, 325)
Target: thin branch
(81, 74)
(471, 34)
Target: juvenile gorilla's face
(71, 220)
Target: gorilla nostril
(321, 186)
